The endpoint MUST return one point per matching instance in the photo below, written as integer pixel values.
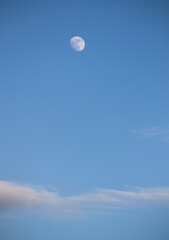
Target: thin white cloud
(153, 132)
(21, 198)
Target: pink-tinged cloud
(19, 197)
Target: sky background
(73, 121)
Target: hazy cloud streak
(14, 196)
(161, 133)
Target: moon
(77, 43)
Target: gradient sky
(72, 122)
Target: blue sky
(77, 126)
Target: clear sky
(84, 136)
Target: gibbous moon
(77, 43)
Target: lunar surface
(77, 43)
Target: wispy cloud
(19, 197)
(153, 132)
